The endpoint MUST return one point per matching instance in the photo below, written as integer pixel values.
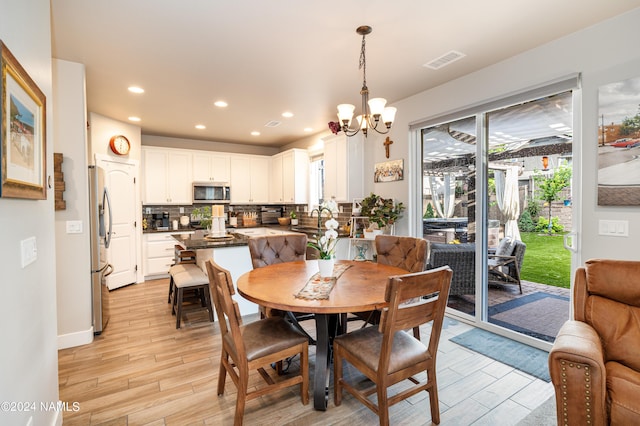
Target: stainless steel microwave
(211, 192)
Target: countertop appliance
(161, 221)
(100, 238)
(208, 192)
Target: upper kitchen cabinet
(289, 177)
(343, 168)
(210, 167)
(249, 179)
(166, 175)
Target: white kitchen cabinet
(344, 168)
(249, 179)
(210, 167)
(166, 176)
(158, 254)
(289, 177)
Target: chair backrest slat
(432, 287)
(227, 309)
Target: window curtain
(508, 200)
(443, 193)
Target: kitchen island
(231, 252)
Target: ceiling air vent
(272, 123)
(444, 60)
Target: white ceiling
(267, 57)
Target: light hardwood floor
(142, 371)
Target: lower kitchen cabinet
(157, 254)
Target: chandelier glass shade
(373, 110)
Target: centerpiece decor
(326, 246)
(382, 212)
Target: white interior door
(121, 254)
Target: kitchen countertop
(197, 240)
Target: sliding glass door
(496, 202)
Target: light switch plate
(28, 251)
(614, 228)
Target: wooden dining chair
(252, 346)
(408, 253)
(387, 354)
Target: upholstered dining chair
(408, 253)
(387, 354)
(271, 249)
(252, 346)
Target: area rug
(523, 357)
(539, 315)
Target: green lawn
(546, 261)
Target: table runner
(318, 288)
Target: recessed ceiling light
(308, 129)
(287, 114)
(136, 89)
(254, 133)
(200, 126)
(132, 118)
(221, 104)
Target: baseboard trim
(78, 338)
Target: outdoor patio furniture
(594, 362)
(461, 258)
(505, 263)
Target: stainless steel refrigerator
(100, 235)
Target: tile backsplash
(176, 211)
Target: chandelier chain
(363, 61)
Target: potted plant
(294, 217)
(382, 212)
(204, 214)
(326, 246)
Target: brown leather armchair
(595, 360)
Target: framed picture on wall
(22, 140)
(619, 143)
(389, 171)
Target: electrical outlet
(181, 210)
(74, 227)
(148, 210)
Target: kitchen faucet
(320, 210)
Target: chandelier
(373, 110)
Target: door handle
(569, 240)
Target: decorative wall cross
(387, 143)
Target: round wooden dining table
(361, 287)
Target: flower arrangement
(326, 245)
(334, 126)
(381, 211)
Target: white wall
(73, 262)
(28, 359)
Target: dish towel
(318, 288)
